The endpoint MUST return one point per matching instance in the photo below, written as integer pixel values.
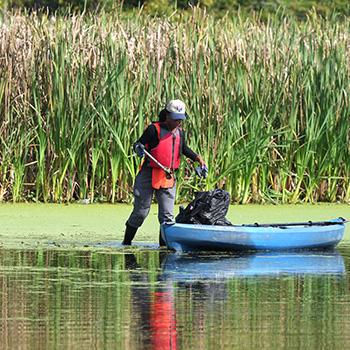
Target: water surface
(152, 299)
(94, 294)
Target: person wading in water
(166, 142)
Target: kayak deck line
(338, 221)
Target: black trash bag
(208, 208)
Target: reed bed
(268, 104)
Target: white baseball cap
(176, 109)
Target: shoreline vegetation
(268, 104)
(299, 9)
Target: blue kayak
(288, 236)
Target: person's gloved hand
(139, 147)
(202, 171)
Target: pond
(156, 300)
(98, 295)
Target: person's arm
(201, 161)
(148, 137)
(187, 152)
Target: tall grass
(268, 104)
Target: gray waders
(143, 194)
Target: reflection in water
(163, 320)
(155, 300)
(155, 307)
(187, 267)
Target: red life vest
(167, 152)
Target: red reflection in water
(163, 321)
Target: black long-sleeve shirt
(150, 138)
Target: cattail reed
(268, 104)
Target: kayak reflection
(196, 267)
